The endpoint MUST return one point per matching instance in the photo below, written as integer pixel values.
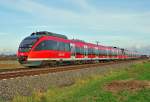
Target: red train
(46, 48)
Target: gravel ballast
(27, 85)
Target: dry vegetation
(9, 62)
(127, 85)
(7, 57)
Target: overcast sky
(122, 23)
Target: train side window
(79, 50)
(61, 46)
(51, 45)
(110, 52)
(96, 51)
(100, 52)
(47, 45)
(91, 51)
(82, 50)
(85, 51)
(67, 47)
(103, 52)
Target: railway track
(38, 71)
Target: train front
(24, 50)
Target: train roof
(46, 33)
(78, 40)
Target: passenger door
(85, 52)
(73, 51)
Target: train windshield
(27, 44)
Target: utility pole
(97, 42)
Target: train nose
(22, 56)
(22, 59)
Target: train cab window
(27, 44)
(40, 46)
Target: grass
(92, 89)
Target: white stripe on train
(67, 59)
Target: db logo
(61, 54)
(22, 54)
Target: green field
(123, 85)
